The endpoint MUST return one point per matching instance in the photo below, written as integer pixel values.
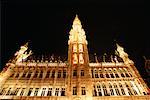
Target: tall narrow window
(74, 90)
(105, 90)
(30, 91)
(64, 73)
(22, 92)
(94, 91)
(17, 75)
(129, 91)
(59, 74)
(101, 75)
(96, 73)
(49, 93)
(82, 72)
(83, 91)
(24, 74)
(57, 92)
(74, 72)
(116, 89)
(36, 74)
(48, 73)
(111, 89)
(36, 91)
(63, 92)
(41, 74)
(29, 74)
(43, 92)
(122, 90)
(99, 90)
(53, 74)
(92, 73)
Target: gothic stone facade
(75, 79)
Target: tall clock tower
(78, 60)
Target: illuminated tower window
(75, 59)
(81, 60)
(80, 48)
(74, 48)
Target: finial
(76, 15)
(76, 20)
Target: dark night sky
(47, 24)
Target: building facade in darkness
(77, 78)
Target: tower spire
(78, 53)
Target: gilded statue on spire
(22, 53)
(123, 55)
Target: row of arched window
(33, 91)
(110, 73)
(114, 89)
(40, 74)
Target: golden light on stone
(76, 78)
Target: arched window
(94, 91)
(116, 89)
(99, 90)
(111, 89)
(122, 90)
(129, 90)
(105, 90)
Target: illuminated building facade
(74, 79)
